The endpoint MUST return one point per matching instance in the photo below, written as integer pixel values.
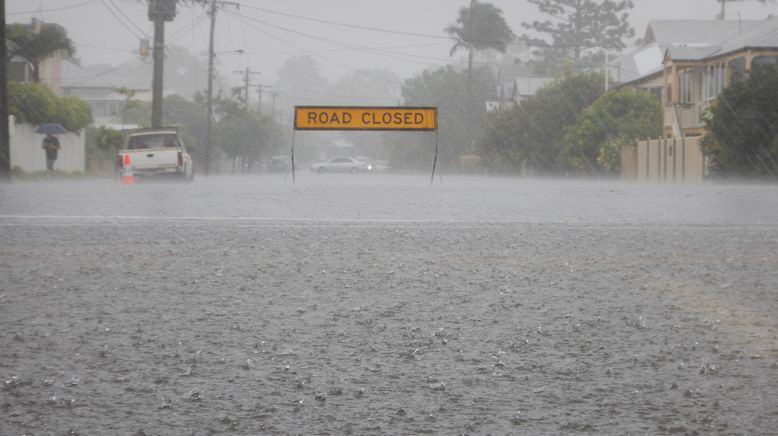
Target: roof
(761, 34)
(103, 93)
(689, 53)
(521, 86)
(692, 32)
(531, 85)
(693, 40)
(639, 63)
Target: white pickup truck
(156, 152)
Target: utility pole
(274, 95)
(5, 143)
(159, 12)
(246, 81)
(209, 97)
(259, 96)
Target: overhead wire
(312, 53)
(141, 30)
(54, 9)
(353, 26)
(377, 52)
(121, 21)
(518, 41)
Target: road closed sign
(365, 118)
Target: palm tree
(481, 26)
(35, 47)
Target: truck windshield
(157, 140)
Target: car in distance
(340, 164)
(279, 164)
(380, 166)
(152, 152)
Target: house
(49, 70)
(107, 102)
(20, 69)
(698, 60)
(516, 89)
(642, 68)
(695, 76)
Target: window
(737, 68)
(153, 141)
(713, 81)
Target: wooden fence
(672, 160)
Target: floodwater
(378, 304)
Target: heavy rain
(357, 217)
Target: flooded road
(382, 305)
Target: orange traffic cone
(128, 178)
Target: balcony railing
(689, 115)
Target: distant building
(642, 67)
(695, 76)
(49, 70)
(698, 60)
(19, 69)
(107, 103)
(514, 90)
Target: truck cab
(156, 152)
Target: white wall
(26, 151)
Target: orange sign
(365, 118)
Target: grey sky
(105, 37)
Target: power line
(353, 26)
(312, 53)
(143, 32)
(518, 41)
(95, 76)
(53, 10)
(121, 21)
(98, 47)
(330, 94)
(369, 50)
(335, 50)
(184, 30)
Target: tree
(617, 118)
(743, 127)
(35, 103)
(460, 116)
(580, 31)
(366, 87)
(247, 137)
(530, 135)
(35, 47)
(481, 26)
(102, 144)
(300, 79)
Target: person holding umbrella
(50, 144)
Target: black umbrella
(50, 129)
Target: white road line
(100, 220)
(218, 218)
